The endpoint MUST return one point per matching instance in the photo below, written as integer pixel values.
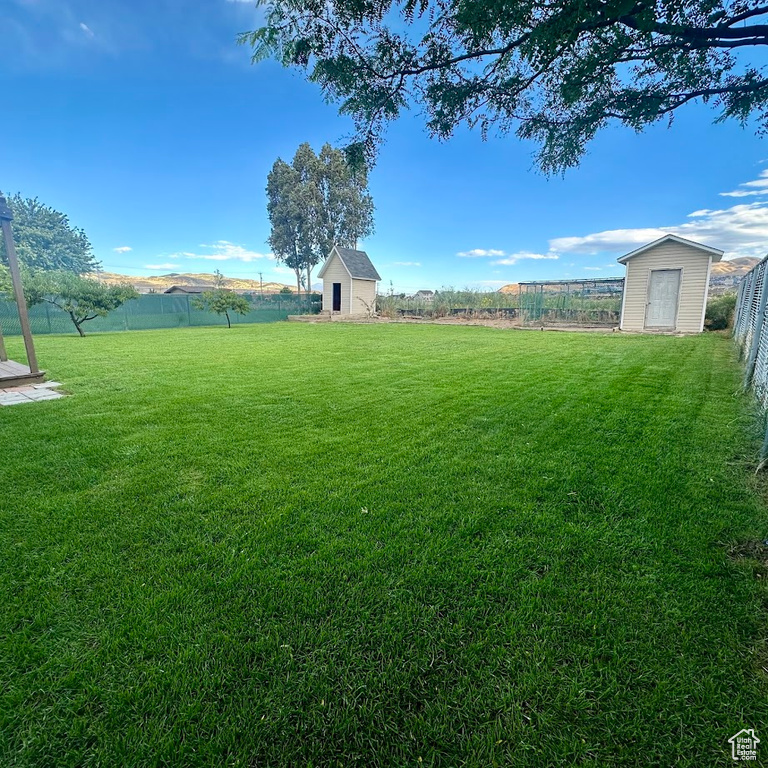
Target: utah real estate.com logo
(744, 745)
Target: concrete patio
(30, 393)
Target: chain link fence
(750, 332)
(157, 311)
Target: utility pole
(261, 284)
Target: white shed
(666, 285)
(349, 282)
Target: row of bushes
(719, 314)
(445, 302)
(720, 311)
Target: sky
(149, 127)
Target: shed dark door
(337, 297)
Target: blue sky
(149, 127)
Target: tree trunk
(309, 284)
(77, 324)
(229, 324)
(298, 281)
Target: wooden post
(18, 290)
(3, 353)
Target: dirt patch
(488, 322)
(501, 323)
(752, 552)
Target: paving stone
(42, 394)
(29, 393)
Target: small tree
(81, 298)
(222, 302)
(286, 289)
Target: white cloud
(170, 265)
(741, 230)
(480, 253)
(87, 30)
(406, 263)
(758, 186)
(123, 249)
(223, 250)
(513, 258)
(594, 269)
(508, 259)
(610, 240)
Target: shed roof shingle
(358, 264)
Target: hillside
(734, 267)
(159, 283)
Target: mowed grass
(339, 545)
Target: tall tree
(46, 240)
(347, 204)
(310, 203)
(285, 218)
(555, 72)
(315, 203)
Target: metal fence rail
(156, 311)
(595, 301)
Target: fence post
(737, 313)
(751, 290)
(189, 311)
(756, 333)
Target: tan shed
(349, 282)
(666, 286)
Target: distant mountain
(159, 283)
(734, 267)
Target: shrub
(720, 311)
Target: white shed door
(663, 295)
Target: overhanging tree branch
(555, 72)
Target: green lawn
(389, 545)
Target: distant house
(189, 289)
(666, 285)
(349, 282)
(426, 296)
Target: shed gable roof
(715, 253)
(357, 263)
